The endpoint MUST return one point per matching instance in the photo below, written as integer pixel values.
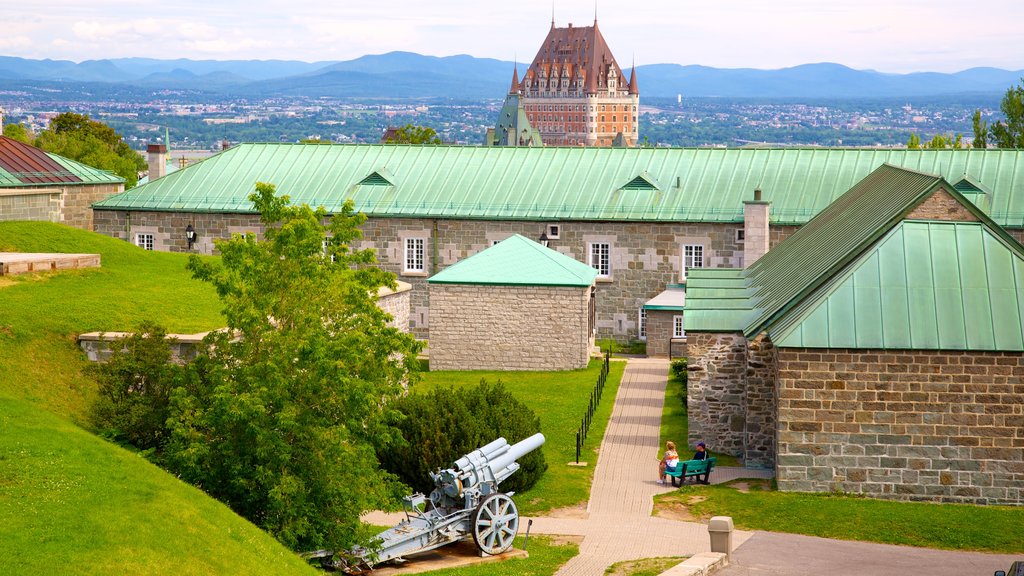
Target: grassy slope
(675, 426)
(948, 526)
(68, 500)
(545, 559)
(560, 413)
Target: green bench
(690, 468)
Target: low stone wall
(911, 425)
(26, 263)
(98, 345)
(475, 327)
(396, 302)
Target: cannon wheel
(495, 523)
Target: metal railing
(595, 400)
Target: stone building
(514, 306)
(877, 350)
(36, 185)
(641, 217)
(575, 93)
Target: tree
(937, 142)
(282, 415)
(914, 143)
(980, 130)
(77, 137)
(410, 134)
(1009, 133)
(18, 132)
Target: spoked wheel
(495, 524)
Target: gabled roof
(23, 165)
(926, 285)
(787, 286)
(672, 298)
(517, 260)
(708, 185)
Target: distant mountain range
(410, 75)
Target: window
(144, 241)
(600, 258)
(553, 231)
(677, 327)
(326, 245)
(693, 256)
(741, 235)
(642, 324)
(414, 250)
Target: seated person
(702, 454)
(668, 462)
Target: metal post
(577, 446)
(529, 525)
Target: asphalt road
(775, 554)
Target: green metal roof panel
(717, 300)
(517, 260)
(562, 183)
(86, 175)
(926, 285)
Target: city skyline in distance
(898, 36)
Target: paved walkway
(619, 525)
(774, 554)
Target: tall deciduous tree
(18, 132)
(1009, 133)
(77, 137)
(980, 131)
(283, 414)
(410, 134)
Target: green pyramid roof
(517, 261)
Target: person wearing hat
(702, 454)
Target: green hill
(69, 501)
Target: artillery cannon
(465, 502)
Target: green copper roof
(693, 185)
(927, 285)
(802, 293)
(517, 261)
(86, 175)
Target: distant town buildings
(573, 94)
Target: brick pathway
(619, 525)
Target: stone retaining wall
(911, 425)
(478, 327)
(71, 205)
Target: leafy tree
(1009, 133)
(938, 142)
(77, 137)
(446, 423)
(980, 130)
(285, 411)
(134, 388)
(914, 143)
(410, 134)
(18, 132)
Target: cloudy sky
(885, 35)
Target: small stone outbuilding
(514, 306)
(663, 323)
(878, 350)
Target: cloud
(15, 42)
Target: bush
(446, 423)
(134, 388)
(678, 370)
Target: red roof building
(576, 94)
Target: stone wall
(942, 206)
(760, 397)
(645, 257)
(40, 205)
(660, 343)
(396, 303)
(509, 327)
(716, 382)
(77, 203)
(911, 425)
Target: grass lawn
(69, 501)
(675, 426)
(546, 557)
(631, 347)
(947, 526)
(560, 399)
(42, 314)
(644, 567)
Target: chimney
(755, 228)
(157, 161)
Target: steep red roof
(579, 50)
(30, 165)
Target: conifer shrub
(446, 423)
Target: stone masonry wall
(762, 374)
(77, 203)
(716, 382)
(396, 304)
(509, 327)
(659, 333)
(911, 425)
(28, 204)
(942, 206)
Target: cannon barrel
(515, 452)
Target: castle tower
(575, 93)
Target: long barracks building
(641, 217)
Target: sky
(886, 35)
